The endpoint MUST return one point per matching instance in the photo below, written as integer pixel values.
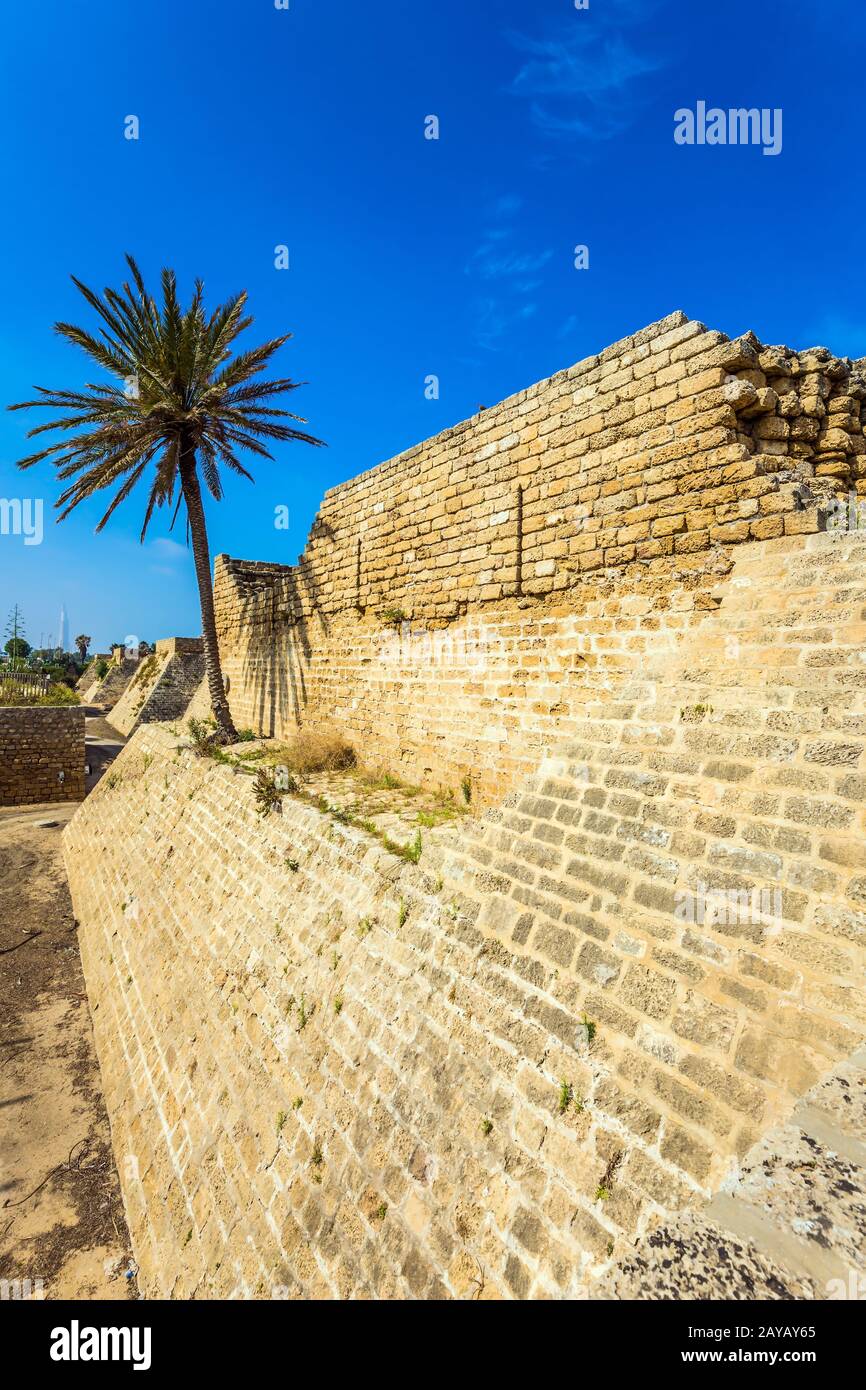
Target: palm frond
(195, 401)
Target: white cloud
(582, 78)
(168, 551)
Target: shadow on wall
(279, 651)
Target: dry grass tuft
(311, 751)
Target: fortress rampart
(449, 601)
(621, 617)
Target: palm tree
(185, 406)
(82, 642)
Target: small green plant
(282, 1116)
(268, 797)
(604, 1191)
(393, 617)
(486, 1127)
(438, 816)
(382, 1210)
(693, 714)
(589, 1029)
(317, 1160)
(303, 1015)
(566, 1096)
(338, 1004)
(413, 851)
(246, 735)
(297, 1102)
(403, 913)
(188, 1237)
(292, 865)
(205, 741)
(365, 926)
(466, 787)
(335, 959)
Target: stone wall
(41, 754)
(324, 1082)
(445, 598)
(162, 686)
(610, 611)
(523, 1054)
(106, 692)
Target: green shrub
(268, 796)
(393, 617)
(10, 694)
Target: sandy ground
(61, 1215)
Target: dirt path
(61, 1215)
(102, 745)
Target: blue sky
(409, 257)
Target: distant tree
(82, 643)
(18, 648)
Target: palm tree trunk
(201, 555)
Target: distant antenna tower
(61, 632)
